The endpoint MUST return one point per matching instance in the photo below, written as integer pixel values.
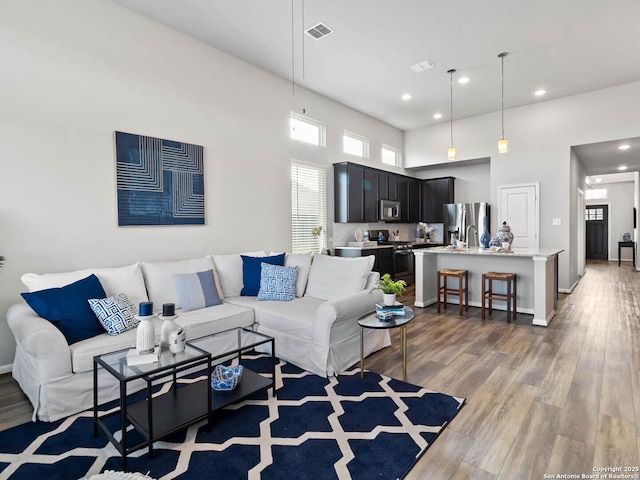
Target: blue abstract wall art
(160, 182)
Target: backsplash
(343, 233)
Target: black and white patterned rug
(317, 428)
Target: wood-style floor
(556, 400)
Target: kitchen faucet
(466, 238)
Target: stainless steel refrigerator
(462, 220)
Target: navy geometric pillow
(116, 314)
(277, 283)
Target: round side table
(372, 321)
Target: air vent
(422, 66)
(318, 31)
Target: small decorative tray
(224, 379)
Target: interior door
(519, 208)
(597, 220)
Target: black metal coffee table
(185, 404)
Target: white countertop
(420, 245)
(516, 252)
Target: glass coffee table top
(116, 362)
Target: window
(306, 129)
(355, 145)
(308, 208)
(390, 155)
(595, 194)
(594, 214)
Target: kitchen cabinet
(371, 195)
(388, 186)
(355, 193)
(384, 260)
(413, 202)
(359, 189)
(436, 192)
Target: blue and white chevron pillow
(116, 314)
(277, 283)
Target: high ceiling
(566, 47)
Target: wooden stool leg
(466, 289)
(515, 296)
(484, 294)
(509, 300)
(438, 293)
(460, 297)
(490, 296)
(446, 287)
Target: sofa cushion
(116, 314)
(251, 272)
(229, 270)
(303, 262)
(196, 324)
(159, 278)
(196, 290)
(294, 318)
(68, 308)
(332, 277)
(277, 283)
(115, 280)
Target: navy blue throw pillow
(251, 271)
(68, 308)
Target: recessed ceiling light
(406, 97)
(437, 115)
(624, 147)
(622, 167)
(463, 80)
(539, 93)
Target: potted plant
(390, 288)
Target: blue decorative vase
(485, 239)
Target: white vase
(168, 326)
(145, 335)
(389, 298)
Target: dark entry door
(597, 217)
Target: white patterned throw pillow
(116, 314)
(277, 283)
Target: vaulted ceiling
(566, 47)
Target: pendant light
(451, 152)
(502, 143)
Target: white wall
(540, 139)
(620, 200)
(472, 181)
(77, 70)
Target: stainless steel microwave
(389, 210)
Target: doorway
(519, 208)
(597, 220)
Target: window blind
(308, 207)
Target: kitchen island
(537, 270)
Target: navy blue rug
(317, 428)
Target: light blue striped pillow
(196, 290)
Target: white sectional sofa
(316, 331)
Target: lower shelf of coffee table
(250, 382)
(187, 405)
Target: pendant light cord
(451, 72)
(502, 92)
(501, 56)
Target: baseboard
(570, 289)
(6, 368)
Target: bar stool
(463, 287)
(488, 293)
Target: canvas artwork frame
(159, 182)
